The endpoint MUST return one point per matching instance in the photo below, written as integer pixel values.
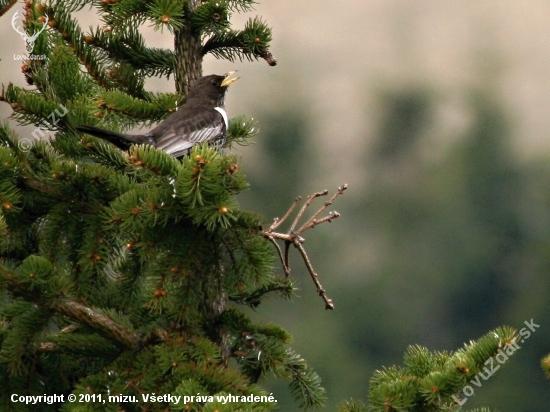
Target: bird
(201, 119)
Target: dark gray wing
(179, 137)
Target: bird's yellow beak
(227, 81)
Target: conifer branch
(70, 31)
(54, 193)
(294, 237)
(241, 5)
(46, 347)
(241, 129)
(433, 380)
(96, 320)
(251, 43)
(74, 310)
(69, 340)
(46, 189)
(284, 288)
(8, 6)
(130, 48)
(269, 58)
(126, 15)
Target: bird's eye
(215, 83)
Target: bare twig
(310, 199)
(320, 289)
(293, 236)
(312, 222)
(279, 251)
(277, 222)
(287, 260)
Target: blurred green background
(437, 115)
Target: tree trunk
(188, 53)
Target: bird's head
(212, 87)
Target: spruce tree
(123, 274)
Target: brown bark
(188, 48)
(74, 310)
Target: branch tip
(272, 61)
(293, 236)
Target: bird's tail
(120, 140)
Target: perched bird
(201, 119)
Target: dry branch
(293, 236)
